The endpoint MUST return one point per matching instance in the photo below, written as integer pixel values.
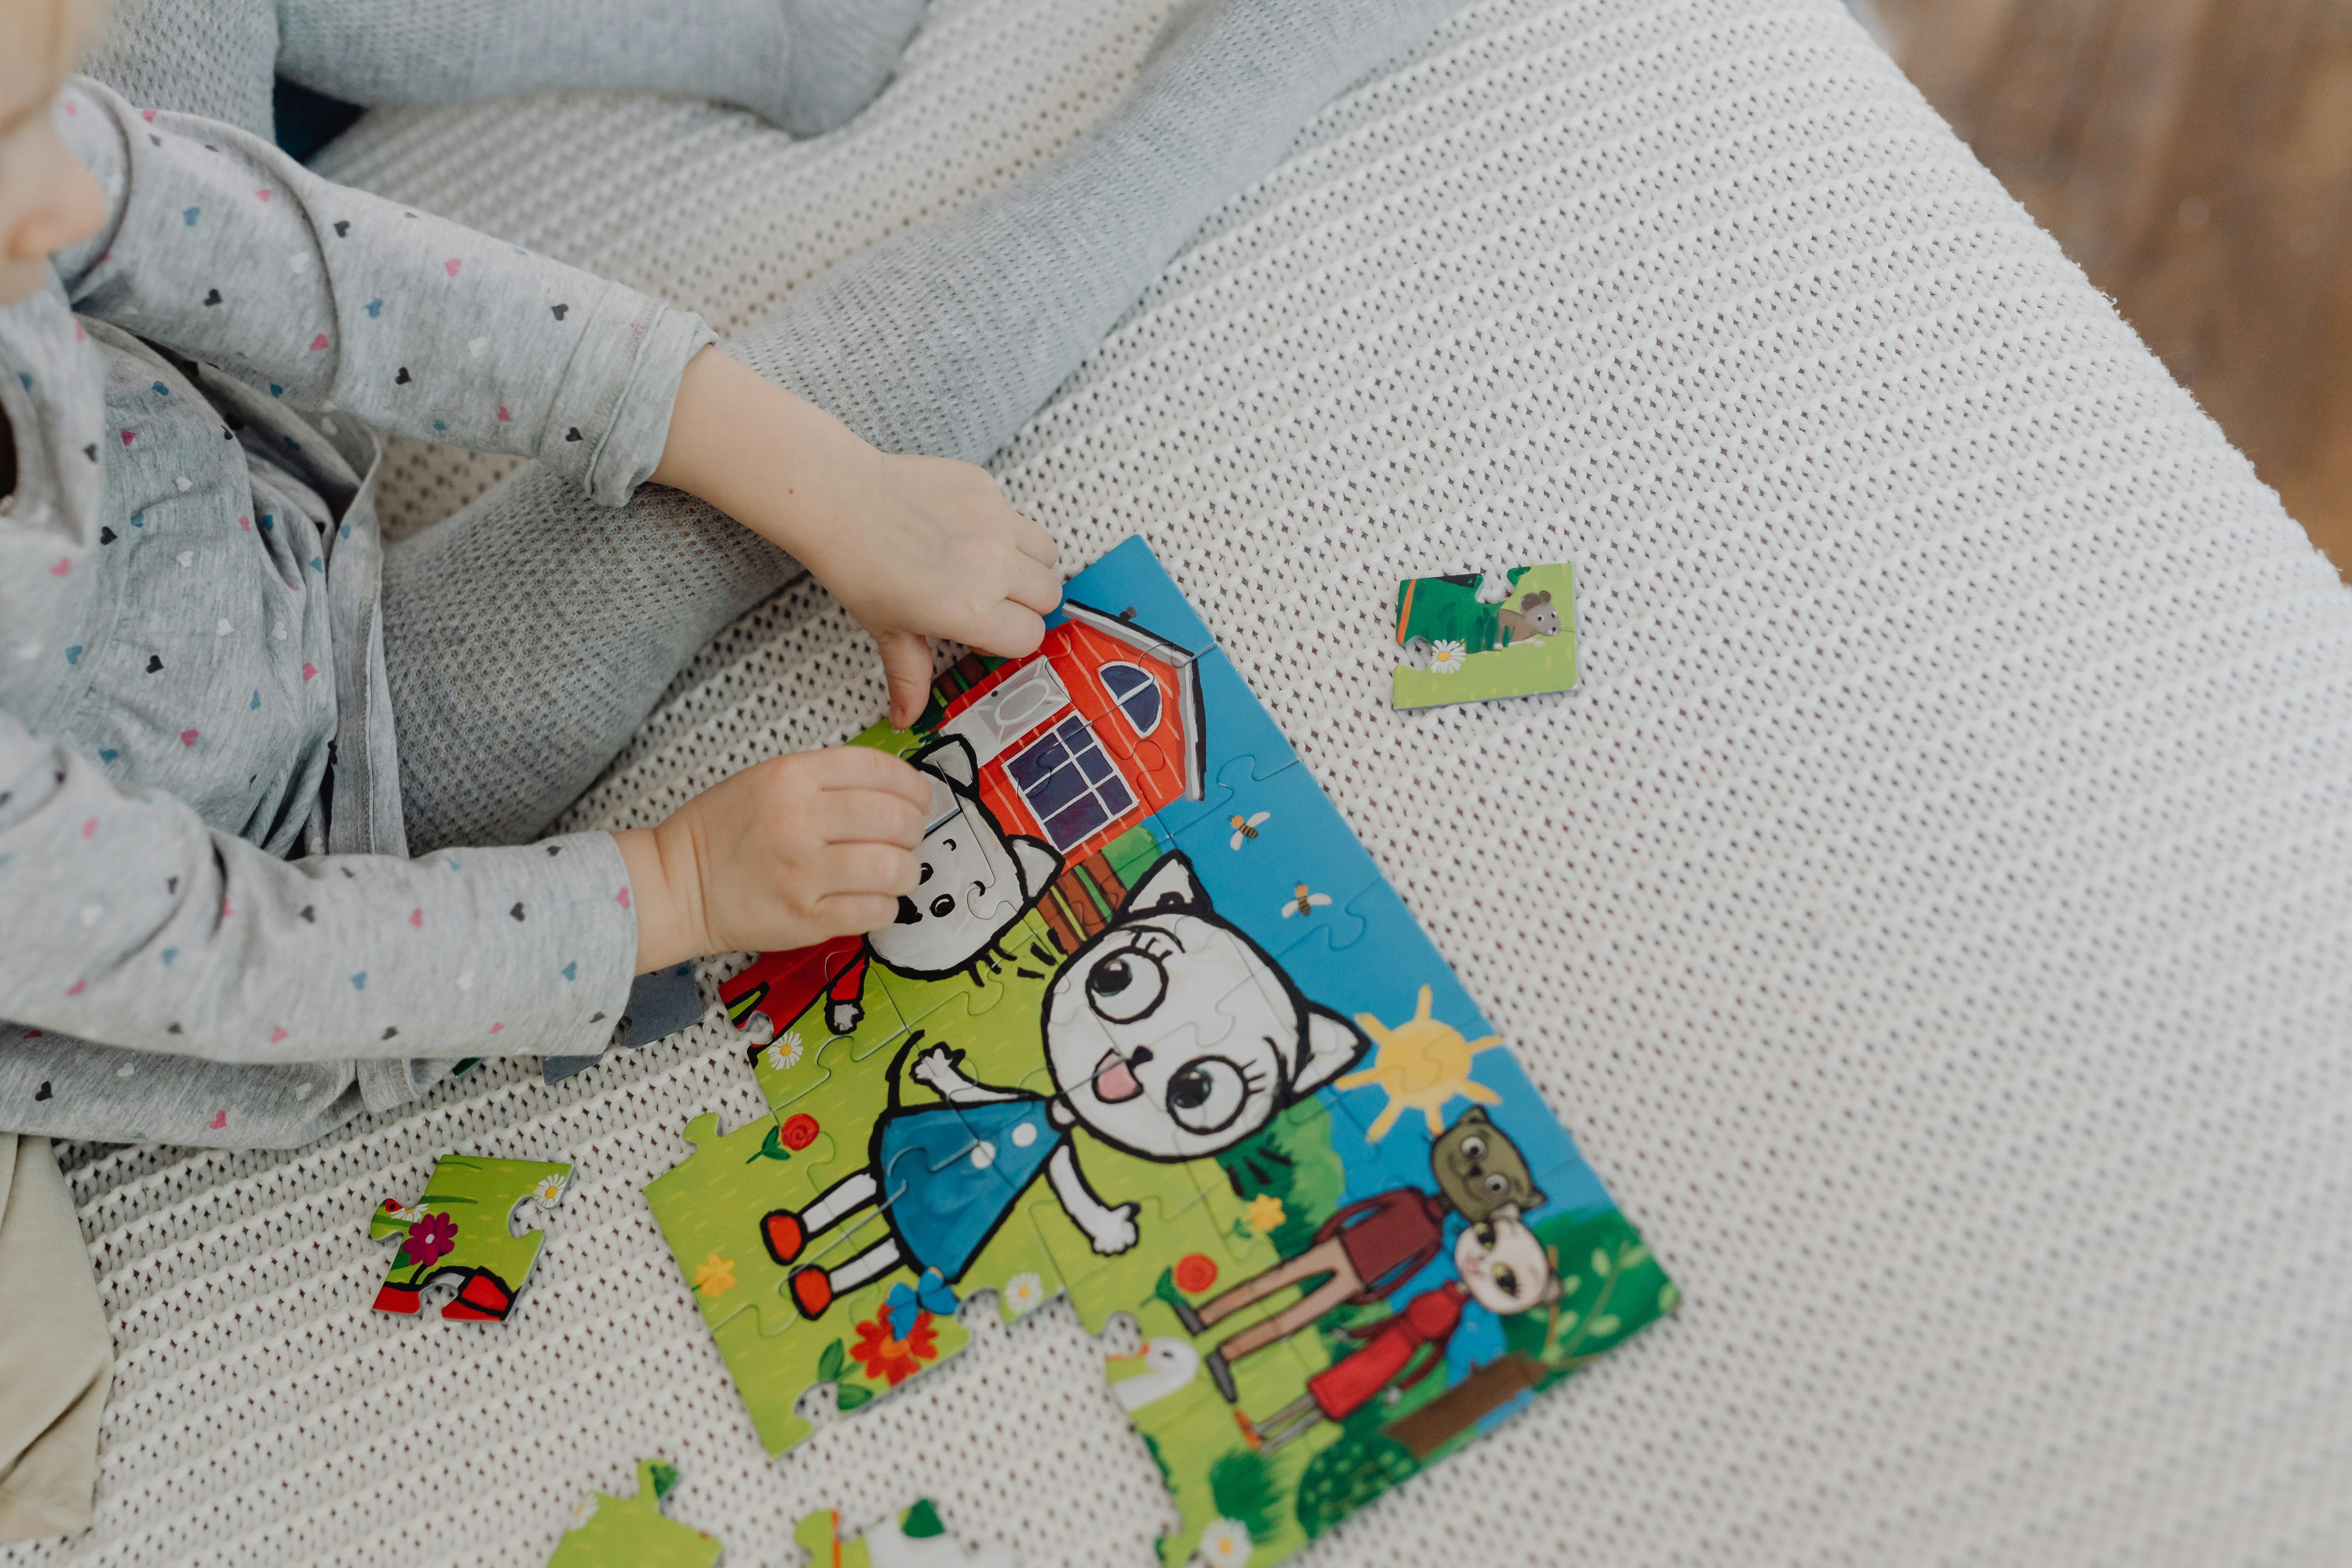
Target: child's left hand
(913, 547)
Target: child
(269, 788)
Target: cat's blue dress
(950, 1174)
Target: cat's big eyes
(1474, 1147)
(1497, 1184)
(1205, 1095)
(1126, 985)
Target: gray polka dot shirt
(201, 851)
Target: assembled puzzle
(463, 1227)
(1154, 1031)
(1473, 637)
(608, 1531)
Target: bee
(1247, 826)
(1302, 902)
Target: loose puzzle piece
(609, 1531)
(462, 1226)
(915, 1538)
(660, 1004)
(1472, 637)
(1154, 1032)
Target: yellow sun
(1422, 1064)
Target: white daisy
(1445, 657)
(785, 1052)
(548, 1191)
(1023, 1294)
(584, 1512)
(1224, 1544)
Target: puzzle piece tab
(610, 1531)
(463, 1228)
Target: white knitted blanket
(1934, 915)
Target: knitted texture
(1931, 915)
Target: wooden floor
(2196, 157)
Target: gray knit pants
(529, 636)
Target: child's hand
(798, 849)
(913, 547)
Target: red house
(1082, 740)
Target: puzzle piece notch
(612, 1531)
(915, 1537)
(463, 1227)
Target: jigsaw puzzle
(464, 1227)
(608, 1531)
(915, 1538)
(1154, 1031)
(1476, 636)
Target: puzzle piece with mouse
(1474, 636)
(1154, 1031)
(463, 1227)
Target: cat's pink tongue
(1113, 1079)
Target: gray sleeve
(133, 923)
(220, 247)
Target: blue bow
(930, 1293)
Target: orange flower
(894, 1361)
(1194, 1273)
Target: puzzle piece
(1472, 637)
(1243, 735)
(1127, 580)
(709, 1207)
(915, 1537)
(660, 1004)
(463, 1227)
(611, 1532)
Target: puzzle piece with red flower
(463, 1228)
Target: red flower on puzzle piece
(1194, 1273)
(800, 1131)
(894, 1361)
(430, 1240)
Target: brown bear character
(1371, 1247)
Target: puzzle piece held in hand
(462, 1227)
(610, 1531)
(914, 1538)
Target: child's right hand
(798, 849)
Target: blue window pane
(1142, 709)
(1123, 680)
(1070, 825)
(1057, 790)
(1095, 766)
(1115, 795)
(1044, 756)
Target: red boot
(482, 1300)
(812, 1291)
(399, 1299)
(780, 1229)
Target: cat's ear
(1332, 1045)
(1170, 885)
(950, 757)
(1035, 861)
(1536, 1200)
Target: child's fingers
(863, 767)
(1012, 631)
(867, 817)
(1035, 584)
(855, 913)
(884, 871)
(907, 666)
(1030, 538)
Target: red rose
(1194, 1273)
(800, 1131)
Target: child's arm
(133, 923)
(219, 246)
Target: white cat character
(1170, 1035)
(977, 881)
